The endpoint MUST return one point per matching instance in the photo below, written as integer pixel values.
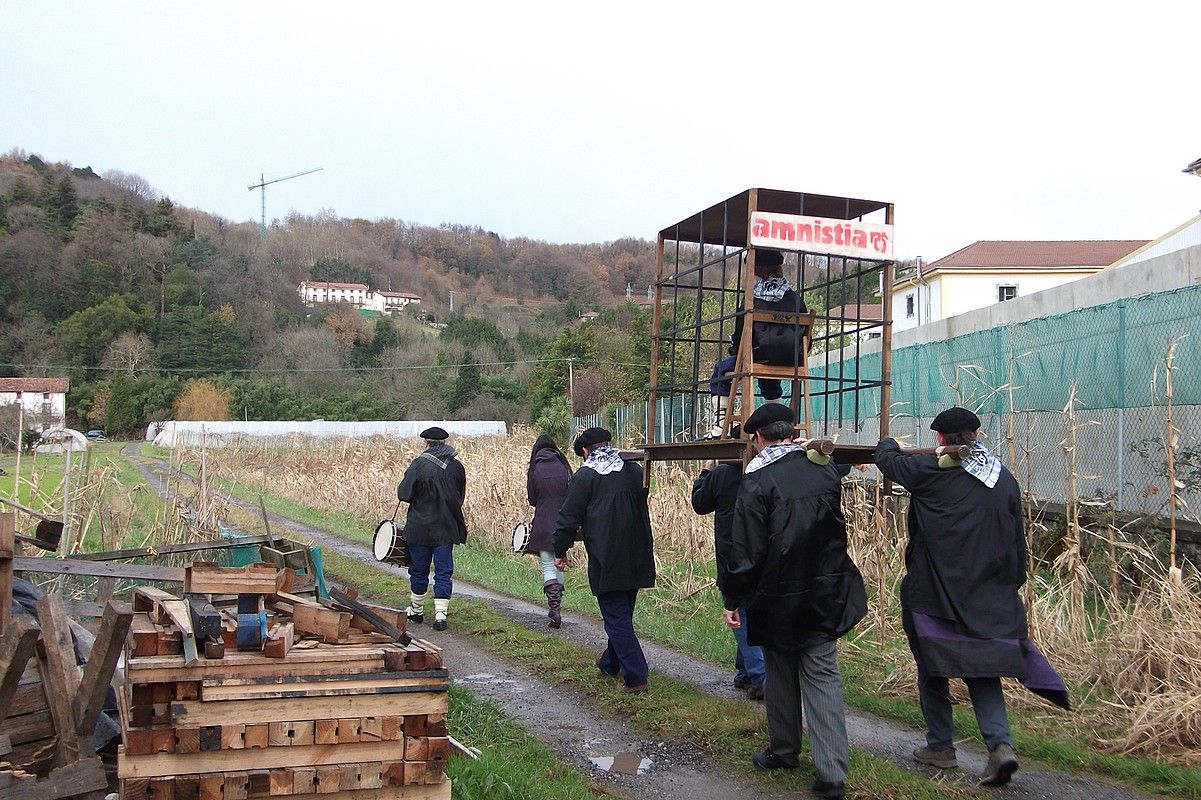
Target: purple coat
(546, 487)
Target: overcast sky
(580, 122)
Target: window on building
(909, 306)
(1006, 291)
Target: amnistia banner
(836, 237)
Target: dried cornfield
(1133, 655)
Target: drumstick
(956, 451)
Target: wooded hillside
(138, 300)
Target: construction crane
(262, 186)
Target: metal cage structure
(835, 249)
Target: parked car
(96, 436)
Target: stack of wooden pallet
(346, 712)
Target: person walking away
(962, 612)
(789, 566)
(546, 488)
(434, 486)
(714, 492)
(606, 507)
(771, 343)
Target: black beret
(768, 258)
(435, 434)
(766, 414)
(590, 438)
(955, 420)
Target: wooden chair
(746, 370)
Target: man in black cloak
(963, 615)
(606, 507)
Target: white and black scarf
(771, 454)
(771, 290)
(982, 465)
(440, 454)
(604, 460)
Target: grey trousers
(988, 701)
(810, 675)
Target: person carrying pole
(963, 615)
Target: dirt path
(578, 733)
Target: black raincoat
(774, 343)
(434, 486)
(609, 513)
(789, 556)
(715, 492)
(966, 557)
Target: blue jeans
(624, 653)
(749, 661)
(419, 570)
(719, 384)
(550, 572)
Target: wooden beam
(317, 661)
(158, 765)
(167, 606)
(17, 645)
(192, 547)
(60, 675)
(98, 673)
(197, 713)
(71, 566)
(329, 688)
(377, 621)
(70, 780)
(203, 577)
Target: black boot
(554, 600)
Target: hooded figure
(546, 488)
(963, 615)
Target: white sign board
(836, 237)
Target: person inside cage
(771, 343)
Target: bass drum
(389, 544)
(521, 536)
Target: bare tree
(131, 352)
(136, 185)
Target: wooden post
(8, 529)
(98, 673)
(60, 676)
(656, 316)
(17, 645)
(886, 336)
(16, 495)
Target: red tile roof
(50, 385)
(334, 285)
(1037, 255)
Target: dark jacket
(789, 556)
(715, 493)
(966, 557)
(774, 343)
(545, 489)
(608, 512)
(434, 486)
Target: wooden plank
(70, 780)
(71, 566)
(17, 645)
(98, 673)
(191, 547)
(377, 621)
(165, 764)
(8, 530)
(327, 688)
(311, 618)
(279, 641)
(143, 636)
(194, 713)
(6, 745)
(60, 674)
(30, 727)
(348, 659)
(204, 577)
(206, 622)
(395, 616)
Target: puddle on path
(484, 678)
(623, 763)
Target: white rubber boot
(416, 609)
(719, 415)
(441, 607)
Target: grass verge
(694, 626)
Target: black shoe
(755, 691)
(418, 618)
(742, 681)
(766, 759)
(829, 791)
(439, 624)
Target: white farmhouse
(44, 400)
(359, 295)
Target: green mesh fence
(1113, 354)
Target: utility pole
(262, 187)
(571, 384)
(452, 302)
